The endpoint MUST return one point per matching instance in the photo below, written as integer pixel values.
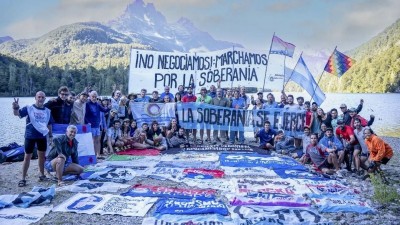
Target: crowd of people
(329, 141)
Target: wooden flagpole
(266, 67)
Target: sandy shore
(386, 214)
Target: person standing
(204, 99)
(220, 100)
(237, 103)
(38, 121)
(79, 109)
(92, 117)
(63, 156)
(60, 108)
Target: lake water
(385, 107)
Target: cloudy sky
(309, 24)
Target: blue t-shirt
(266, 137)
(335, 141)
(92, 114)
(240, 102)
(144, 99)
(30, 131)
(171, 96)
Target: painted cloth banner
(140, 190)
(227, 148)
(191, 206)
(87, 186)
(191, 156)
(274, 215)
(333, 189)
(217, 184)
(258, 160)
(207, 174)
(117, 175)
(232, 67)
(38, 196)
(147, 112)
(193, 115)
(191, 164)
(340, 203)
(137, 152)
(106, 205)
(145, 161)
(85, 142)
(248, 186)
(262, 199)
(209, 219)
(163, 173)
(296, 174)
(249, 171)
(23, 216)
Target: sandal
(43, 178)
(22, 183)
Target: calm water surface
(385, 107)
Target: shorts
(326, 164)
(385, 160)
(350, 148)
(364, 154)
(49, 168)
(30, 145)
(96, 132)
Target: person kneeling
(114, 139)
(380, 152)
(317, 153)
(63, 156)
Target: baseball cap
(113, 110)
(84, 93)
(329, 128)
(343, 106)
(260, 92)
(352, 109)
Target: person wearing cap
(346, 116)
(331, 141)
(155, 98)
(322, 157)
(300, 102)
(219, 100)
(260, 96)
(142, 96)
(350, 143)
(79, 109)
(166, 92)
(284, 144)
(380, 152)
(360, 156)
(353, 115)
(203, 98)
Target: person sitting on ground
(114, 137)
(364, 122)
(126, 132)
(379, 151)
(317, 154)
(360, 156)
(143, 128)
(322, 131)
(155, 137)
(178, 139)
(133, 128)
(63, 156)
(305, 141)
(331, 141)
(266, 136)
(284, 144)
(172, 128)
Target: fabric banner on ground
(203, 173)
(37, 196)
(188, 156)
(340, 203)
(227, 148)
(145, 161)
(106, 205)
(258, 160)
(190, 164)
(117, 175)
(140, 190)
(147, 112)
(143, 152)
(87, 186)
(191, 206)
(296, 174)
(209, 219)
(249, 171)
(194, 115)
(274, 215)
(333, 189)
(217, 184)
(85, 145)
(231, 67)
(269, 200)
(23, 216)
(164, 173)
(248, 186)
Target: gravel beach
(386, 214)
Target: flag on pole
(338, 63)
(281, 47)
(303, 77)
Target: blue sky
(309, 24)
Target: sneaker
(218, 140)
(340, 173)
(360, 173)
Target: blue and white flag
(147, 112)
(302, 76)
(84, 137)
(191, 206)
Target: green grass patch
(383, 193)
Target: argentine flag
(84, 137)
